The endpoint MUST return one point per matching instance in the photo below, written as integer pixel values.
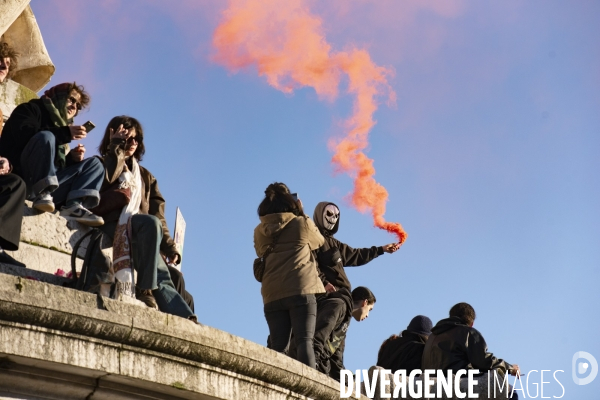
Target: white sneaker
(43, 202)
(78, 213)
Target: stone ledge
(118, 328)
(44, 260)
(50, 230)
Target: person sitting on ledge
(12, 188)
(137, 225)
(455, 345)
(12, 196)
(35, 140)
(404, 352)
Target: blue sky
(490, 157)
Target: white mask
(331, 214)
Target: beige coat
(291, 268)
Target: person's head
(134, 143)
(68, 98)
(278, 199)
(421, 325)
(327, 217)
(8, 61)
(465, 312)
(363, 301)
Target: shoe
(146, 297)
(6, 259)
(194, 319)
(78, 213)
(43, 202)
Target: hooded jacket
(25, 121)
(331, 272)
(402, 352)
(290, 269)
(334, 313)
(455, 345)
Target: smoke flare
(287, 45)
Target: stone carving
(19, 29)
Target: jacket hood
(272, 224)
(447, 324)
(345, 295)
(318, 218)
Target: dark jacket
(152, 203)
(402, 352)
(334, 313)
(454, 345)
(330, 270)
(25, 121)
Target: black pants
(179, 282)
(293, 314)
(12, 197)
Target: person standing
(290, 280)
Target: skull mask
(331, 214)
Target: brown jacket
(153, 203)
(291, 268)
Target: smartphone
(89, 126)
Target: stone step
(44, 260)
(47, 241)
(50, 230)
(33, 274)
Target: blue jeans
(298, 314)
(153, 274)
(80, 181)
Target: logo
(581, 367)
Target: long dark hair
(278, 199)
(128, 123)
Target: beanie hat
(420, 324)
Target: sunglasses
(73, 100)
(132, 139)
(294, 196)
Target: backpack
(96, 265)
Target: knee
(44, 137)
(94, 164)
(14, 182)
(147, 222)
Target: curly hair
(85, 97)
(465, 312)
(6, 51)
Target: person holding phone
(36, 139)
(122, 148)
(290, 280)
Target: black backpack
(95, 262)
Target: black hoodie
(455, 345)
(333, 272)
(402, 352)
(334, 313)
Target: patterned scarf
(122, 262)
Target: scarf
(55, 101)
(122, 261)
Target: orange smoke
(286, 43)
